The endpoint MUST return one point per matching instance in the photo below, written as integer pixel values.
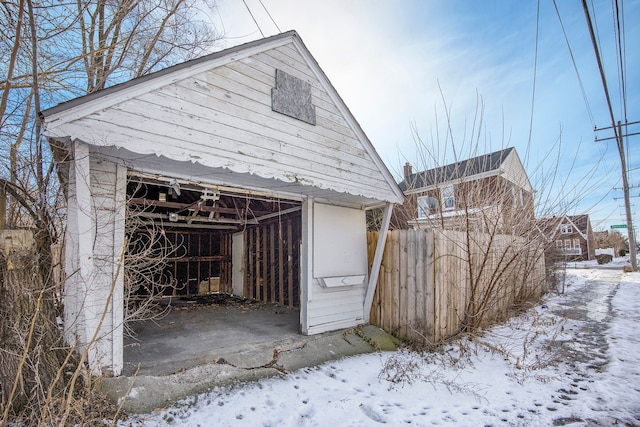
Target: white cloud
(387, 60)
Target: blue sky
(402, 67)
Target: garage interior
(186, 297)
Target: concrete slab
(195, 334)
(193, 350)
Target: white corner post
(306, 263)
(78, 248)
(93, 292)
(119, 248)
(377, 261)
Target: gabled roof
(550, 227)
(580, 223)
(464, 169)
(213, 118)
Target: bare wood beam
(275, 214)
(196, 219)
(184, 206)
(197, 226)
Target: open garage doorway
(200, 262)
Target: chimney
(408, 170)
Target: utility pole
(617, 132)
(627, 203)
(625, 189)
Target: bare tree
(56, 51)
(611, 239)
(146, 279)
(494, 206)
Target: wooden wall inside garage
(201, 261)
(273, 261)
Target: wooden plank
(403, 278)
(440, 289)
(280, 264)
(272, 263)
(388, 285)
(420, 284)
(429, 270)
(265, 264)
(290, 255)
(411, 282)
(393, 284)
(253, 256)
(188, 245)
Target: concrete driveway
(193, 349)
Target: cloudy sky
(408, 70)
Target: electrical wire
(600, 68)
(622, 63)
(270, 17)
(533, 90)
(620, 59)
(575, 67)
(253, 17)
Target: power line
(253, 17)
(575, 67)
(270, 17)
(600, 67)
(535, 73)
(618, 29)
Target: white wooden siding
(335, 308)
(222, 118)
(514, 172)
(331, 308)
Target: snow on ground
(561, 363)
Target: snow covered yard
(574, 360)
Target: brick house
(490, 193)
(570, 235)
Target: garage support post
(377, 261)
(93, 291)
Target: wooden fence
(434, 283)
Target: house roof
(550, 227)
(213, 117)
(581, 223)
(454, 171)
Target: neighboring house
(569, 236)
(251, 167)
(489, 193)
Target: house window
(559, 244)
(567, 243)
(426, 206)
(566, 229)
(448, 199)
(576, 243)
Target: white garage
(247, 163)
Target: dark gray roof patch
(453, 171)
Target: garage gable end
(264, 108)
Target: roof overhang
(161, 168)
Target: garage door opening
(192, 247)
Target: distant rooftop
(462, 169)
